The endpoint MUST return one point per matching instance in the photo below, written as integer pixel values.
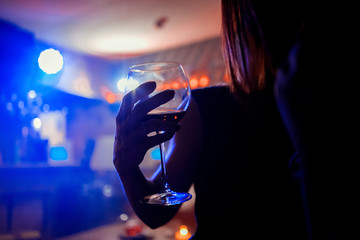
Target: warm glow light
(175, 85)
(117, 43)
(50, 61)
(193, 82)
(226, 78)
(183, 230)
(204, 81)
(166, 86)
(183, 233)
(110, 97)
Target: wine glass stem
(164, 183)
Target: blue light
(50, 61)
(58, 153)
(155, 154)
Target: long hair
(256, 37)
(246, 61)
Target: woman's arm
(132, 143)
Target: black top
(243, 185)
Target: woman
(232, 144)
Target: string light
(166, 86)
(193, 82)
(175, 85)
(204, 81)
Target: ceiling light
(118, 44)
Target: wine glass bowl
(166, 75)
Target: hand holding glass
(166, 75)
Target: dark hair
(256, 37)
(243, 47)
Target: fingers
(142, 108)
(134, 133)
(132, 97)
(165, 131)
(155, 125)
(140, 134)
(135, 116)
(159, 138)
(138, 139)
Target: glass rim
(167, 65)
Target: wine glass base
(167, 198)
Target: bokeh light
(121, 85)
(204, 81)
(36, 123)
(127, 85)
(183, 230)
(175, 85)
(124, 217)
(110, 97)
(31, 94)
(131, 85)
(193, 82)
(50, 61)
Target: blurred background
(63, 66)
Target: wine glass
(166, 75)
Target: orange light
(110, 97)
(226, 78)
(166, 86)
(204, 81)
(175, 85)
(193, 82)
(183, 230)
(183, 233)
(159, 86)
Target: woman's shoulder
(212, 91)
(218, 96)
(218, 105)
(211, 98)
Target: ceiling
(116, 28)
